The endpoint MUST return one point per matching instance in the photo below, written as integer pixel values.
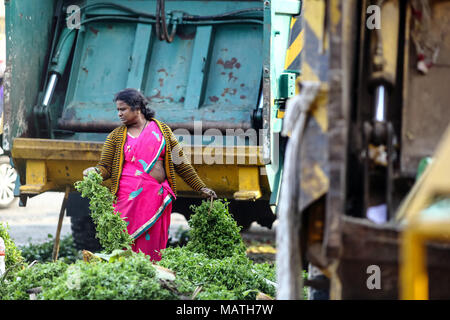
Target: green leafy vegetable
(131, 278)
(110, 227)
(212, 266)
(215, 260)
(224, 279)
(39, 275)
(214, 232)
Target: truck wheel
(82, 225)
(245, 212)
(242, 213)
(8, 176)
(83, 233)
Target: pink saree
(145, 203)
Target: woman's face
(126, 115)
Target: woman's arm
(185, 170)
(183, 167)
(104, 166)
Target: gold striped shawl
(111, 160)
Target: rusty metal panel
(426, 96)
(207, 73)
(28, 33)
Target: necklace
(129, 146)
(146, 121)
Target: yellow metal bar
(223, 155)
(385, 44)
(51, 165)
(36, 172)
(47, 149)
(315, 15)
(413, 271)
(36, 177)
(414, 278)
(421, 227)
(249, 188)
(434, 180)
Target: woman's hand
(208, 193)
(86, 171)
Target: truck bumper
(50, 165)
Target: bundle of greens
(229, 278)
(39, 275)
(110, 227)
(212, 266)
(214, 232)
(130, 278)
(215, 258)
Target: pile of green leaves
(126, 278)
(110, 227)
(215, 260)
(43, 252)
(229, 278)
(39, 275)
(13, 257)
(212, 266)
(130, 278)
(214, 232)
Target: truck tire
(83, 228)
(247, 212)
(244, 212)
(83, 233)
(8, 177)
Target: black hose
(185, 17)
(161, 29)
(223, 15)
(158, 19)
(161, 18)
(123, 8)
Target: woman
(137, 156)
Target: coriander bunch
(111, 229)
(214, 232)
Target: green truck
(218, 73)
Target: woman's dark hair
(136, 100)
